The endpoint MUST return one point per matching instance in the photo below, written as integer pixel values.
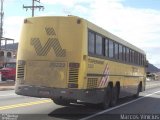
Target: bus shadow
(75, 111)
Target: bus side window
(138, 59)
(91, 42)
(124, 54)
(120, 53)
(127, 54)
(106, 47)
(98, 45)
(143, 60)
(116, 52)
(133, 56)
(111, 48)
(130, 56)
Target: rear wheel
(138, 90)
(107, 98)
(115, 96)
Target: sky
(136, 21)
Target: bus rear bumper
(83, 95)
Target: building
(8, 53)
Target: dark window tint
(91, 42)
(106, 47)
(132, 56)
(143, 60)
(140, 59)
(111, 49)
(116, 51)
(135, 57)
(9, 54)
(127, 54)
(1, 53)
(98, 45)
(11, 65)
(120, 52)
(124, 53)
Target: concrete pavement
(29, 108)
(7, 85)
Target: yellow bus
(70, 60)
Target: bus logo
(51, 43)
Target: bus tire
(107, 98)
(115, 96)
(61, 102)
(138, 90)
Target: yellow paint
(71, 33)
(24, 104)
(69, 36)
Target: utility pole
(33, 7)
(1, 23)
(2, 38)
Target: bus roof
(101, 31)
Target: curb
(4, 88)
(7, 85)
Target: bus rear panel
(49, 56)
